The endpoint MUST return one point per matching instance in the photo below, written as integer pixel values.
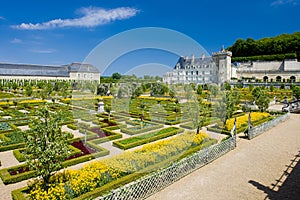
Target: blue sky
(56, 32)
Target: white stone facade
(270, 71)
(73, 72)
(216, 69)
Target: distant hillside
(280, 47)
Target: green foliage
(137, 129)
(271, 88)
(261, 97)
(199, 89)
(159, 89)
(116, 76)
(226, 86)
(282, 44)
(172, 91)
(226, 106)
(146, 138)
(278, 57)
(138, 91)
(4, 126)
(46, 145)
(296, 92)
(28, 90)
(214, 89)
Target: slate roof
(44, 70)
(183, 62)
(79, 67)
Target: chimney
(193, 58)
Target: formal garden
(61, 140)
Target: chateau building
(216, 69)
(219, 69)
(73, 71)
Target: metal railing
(257, 130)
(156, 181)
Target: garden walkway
(267, 167)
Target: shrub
(136, 129)
(146, 138)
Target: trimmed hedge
(147, 138)
(21, 158)
(131, 131)
(8, 179)
(12, 146)
(72, 126)
(278, 57)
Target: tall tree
(46, 146)
(225, 107)
(116, 76)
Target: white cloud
(42, 50)
(16, 41)
(2, 18)
(283, 2)
(92, 17)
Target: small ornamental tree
(172, 91)
(262, 99)
(199, 89)
(28, 90)
(46, 146)
(225, 107)
(107, 109)
(296, 92)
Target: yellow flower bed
(242, 120)
(199, 138)
(73, 183)
(32, 101)
(5, 103)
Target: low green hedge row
(223, 131)
(135, 130)
(12, 146)
(72, 126)
(147, 138)
(119, 126)
(21, 158)
(209, 121)
(8, 179)
(189, 125)
(113, 136)
(3, 137)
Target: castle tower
(223, 64)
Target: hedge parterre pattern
(100, 177)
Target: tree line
(282, 44)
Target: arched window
(266, 79)
(278, 79)
(293, 79)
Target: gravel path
(250, 171)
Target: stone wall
(291, 65)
